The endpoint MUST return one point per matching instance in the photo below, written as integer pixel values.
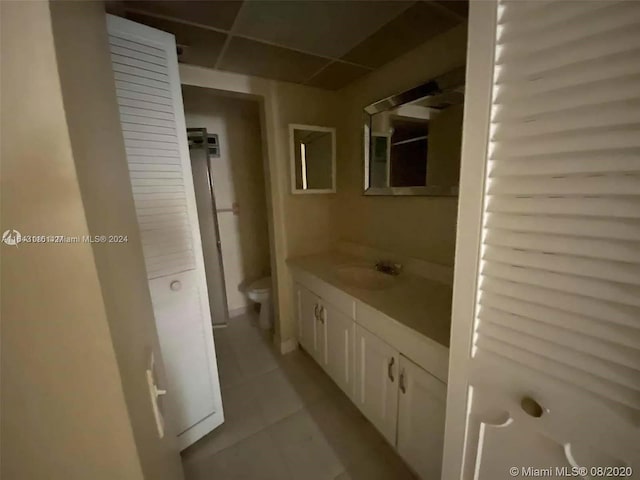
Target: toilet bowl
(260, 292)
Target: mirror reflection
(414, 140)
(312, 159)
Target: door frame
(468, 253)
(263, 91)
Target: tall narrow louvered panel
(157, 177)
(147, 83)
(560, 269)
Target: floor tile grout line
(307, 406)
(249, 379)
(266, 427)
(244, 318)
(280, 452)
(278, 446)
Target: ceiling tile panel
(414, 26)
(459, 7)
(337, 75)
(218, 14)
(201, 46)
(329, 28)
(255, 58)
(297, 40)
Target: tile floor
(285, 420)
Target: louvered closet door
(152, 118)
(554, 367)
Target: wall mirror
(412, 140)
(313, 159)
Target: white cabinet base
(376, 382)
(401, 399)
(421, 412)
(340, 332)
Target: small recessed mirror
(313, 159)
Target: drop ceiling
(322, 43)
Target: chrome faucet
(388, 267)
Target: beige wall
(64, 414)
(308, 222)
(238, 177)
(421, 227)
(307, 218)
(89, 97)
(445, 146)
(303, 222)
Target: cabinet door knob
(175, 285)
(392, 360)
(531, 407)
(321, 314)
(403, 387)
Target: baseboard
(288, 346)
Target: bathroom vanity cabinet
(369, 356)
(328, 336)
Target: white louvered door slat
(152, 120)
(557, 295)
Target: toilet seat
(260, 292)
(262, 285)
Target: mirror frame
(292, 158)
(442, 84)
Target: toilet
(260, 292)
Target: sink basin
(365, 277)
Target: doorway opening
(229, 180)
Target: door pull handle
(403, 387)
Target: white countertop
(417, 302)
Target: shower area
(225, 147)
(202, 148)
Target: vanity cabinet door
(340, 331)
(376, 382)
(320, 350)
(421, 412)
(308, 305)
